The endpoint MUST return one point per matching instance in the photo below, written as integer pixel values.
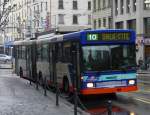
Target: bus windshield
(108, 57)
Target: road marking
(146, 91)
(143, 100)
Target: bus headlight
(131, 82)
(90, 85)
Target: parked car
(5, 58)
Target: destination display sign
(111, 36)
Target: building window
(119, 25)
(134, 5)
(75, 19)
(94, 24)
(147, 25)
(34, 8)
(99, 22)
(147, 4)
(38, 9)
(46, 6)
(116, 7)
(60, 4)
(104, 4)
(61, 18)
(75, 5)
(89, 5)
(131, 24)
(110, 22)
(109, 3)
(104, 22)
(128, 6)
(121, 6)
(94, 5)
(89, 19)
(99, 4)
(41, 6)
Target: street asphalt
(137, 101)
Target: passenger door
(76, 63)
(28, 62)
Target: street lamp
(4, 41)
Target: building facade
(102, 14)
(129, 14)
(70, 15)
(37, 16)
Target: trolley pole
(37, 87)
(57, 95)
(75, 101)
(55, 76)
(109, 107)
(75, 81)
(45, 93)
(30, 82)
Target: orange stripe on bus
(108, 90)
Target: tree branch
(5, 10)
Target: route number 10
(92, 37)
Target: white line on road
(143, 100)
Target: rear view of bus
(108, 61)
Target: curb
(62, 102)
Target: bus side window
(39, 52)
(16, 51)
(67, 52)
(45, 50)
(23, 52)
(20, 52)
(59, 52)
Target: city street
(138, 101)
(18, 97)
(128, 103)
(75, 57)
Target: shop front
(147, 52)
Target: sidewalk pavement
(18, 97)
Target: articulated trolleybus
(93, 61)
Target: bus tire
(21, 72)
(66, 85)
